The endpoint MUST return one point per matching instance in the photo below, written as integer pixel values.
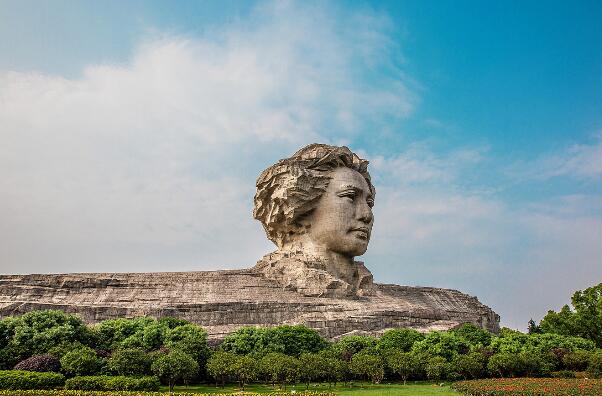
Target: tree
(220, 365)
(348, 346)
(334, 369)
(402, 363)
(475, 336)
(290, 340)
(504, 364)
(446, 344)
(81, 361)
(470, 366)
(584, 320)
(367, 365)
(437, 368)
(532, 327)
(311, 367)
(191, 339)
(174, 366)
(401, 339)
(245, 369)
(280, 368)
(37, 332)
(129, 362)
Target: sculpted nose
(365, 213)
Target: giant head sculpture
(318, 201)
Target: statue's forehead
(342, 178)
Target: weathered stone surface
(222, 301)
(316, 206)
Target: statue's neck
(341, 266)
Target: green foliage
(37, 332)
(124, 333)
(191, 339)
(334, 369)
(245, 370)
(532, 327)
(444, 344)
(364, 364)
(113, 383)
(402, 363)
(290, 340)
(81, 361)
(16, 379)
(474, 335)
(129, 362)
(437, 368)
(280, 368)
(221, 365)
(504, 364)
(576, 361)
(401, 339)
(594, 366)
(348, 346)
(311, 367)
(584, 320)
(470, 366)
(174, 366)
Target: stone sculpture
(316, 206)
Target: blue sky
(134, 132)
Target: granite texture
(222, 301)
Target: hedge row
(126, 393)
(530, 387)
(113, 383)
(16, 379)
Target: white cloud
(150, 165)
(579, 161)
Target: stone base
(223, 301)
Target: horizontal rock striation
(222, 301)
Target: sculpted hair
(291, 188)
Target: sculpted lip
(363, 231)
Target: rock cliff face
(222, 301)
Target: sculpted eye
(370, 202)
(351, 194)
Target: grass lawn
(357, 389)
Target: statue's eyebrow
(356, 189)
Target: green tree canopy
(129, 362)
(402, 339)
(584, 320)
(81, 361)
(174, 366)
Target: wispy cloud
(150, 165)
(579, 161)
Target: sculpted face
(342, 221)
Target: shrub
(504, 365)
(469, 366)
(40, 363)
(576, 361)
(113, 383)
(129, 362)
(22, 380)
(82, 361)
(594, 367)
(563, 374)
